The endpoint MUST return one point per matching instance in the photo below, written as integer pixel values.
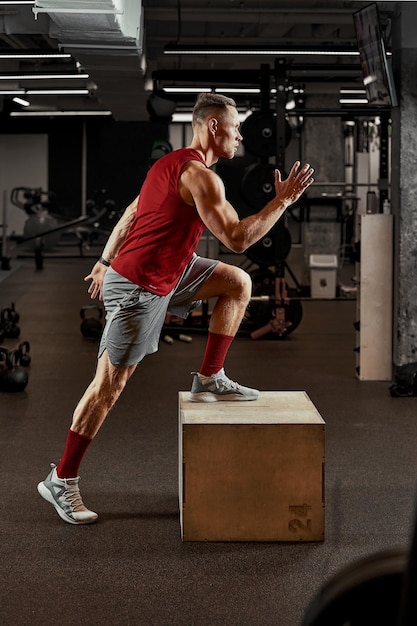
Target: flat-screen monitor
(376, 67)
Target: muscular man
(149, 267)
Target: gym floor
(132, 568)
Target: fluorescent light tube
(58, 113)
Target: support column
(404, 186)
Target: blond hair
(208, 104)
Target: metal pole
(84, 172)
(5, 265)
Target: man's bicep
(211, 203)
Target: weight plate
(273, 247)
(366, 592)
(259, 132)
(258, 184)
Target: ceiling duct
(105, 37)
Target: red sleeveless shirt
(165, 231)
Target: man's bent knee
(243, 284)
(226, 281)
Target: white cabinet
(374, 303)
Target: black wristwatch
(104, 262)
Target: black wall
(118, 156)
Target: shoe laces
(72, 496)
(225, 383)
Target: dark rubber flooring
(131, 568)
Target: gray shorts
(135, 317)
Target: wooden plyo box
(251, 471)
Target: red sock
(75, 448)
(215, 354)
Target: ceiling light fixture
(58, 113)
(42, 76)
(35, 55)
(44, 92)
(353, 101)
(266, 50)
(237, 90)
(195, 90)
(57, 92)
(186, 89)
(23, 103)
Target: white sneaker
(219, 387)
(64, 495)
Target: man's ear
(212, 125)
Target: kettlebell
(24, 356)
(91, 326)
(13, 377)
(10, 328)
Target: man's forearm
(119, 233)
